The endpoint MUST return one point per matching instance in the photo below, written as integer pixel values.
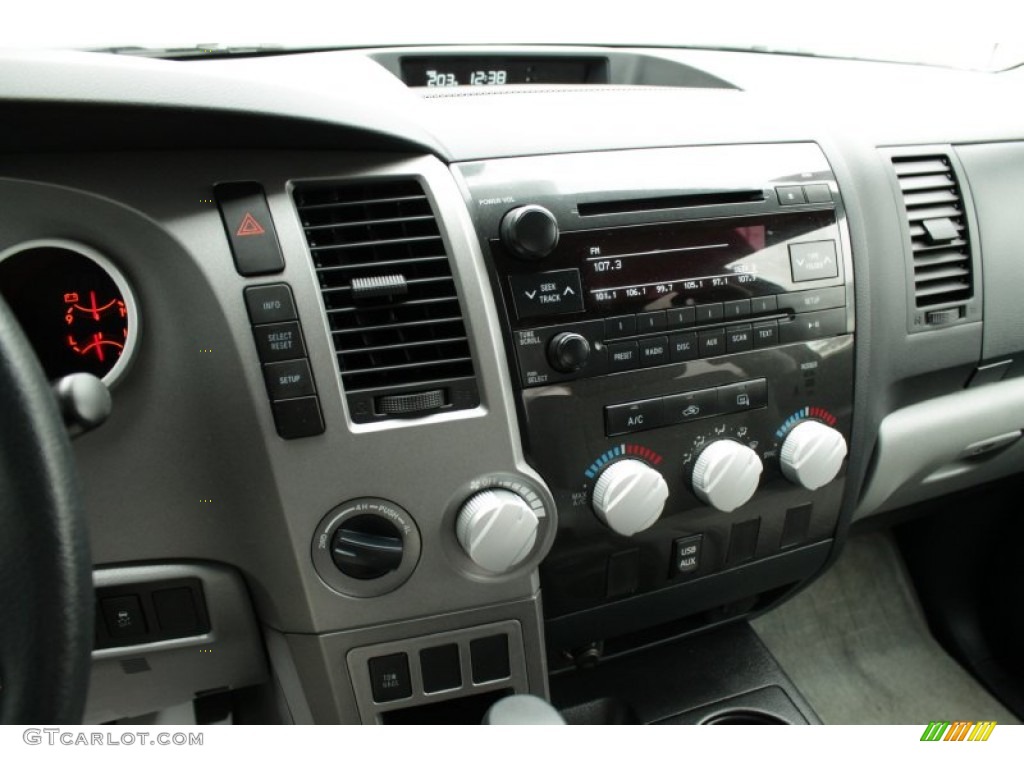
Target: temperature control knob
(497, 529)
(726, 475)
(812, 454)
(568, 352)
(530, 232)
(629, 496)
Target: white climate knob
(812, 454)
(497, 528)
(629, 496)
(726, 475)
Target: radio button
(617, 327)
(653, 351)
(709, 313)
(813, 261)
(682, 347)
(690, 406)
(623, 356)
(680, 317)
(763, 304)
(711, 343)
(811, 301)
(745, 396)
(633, 417)
(547, 293)
(766, 334)
(813, 325)
(739, 338)
(649, 322)
(793, 195)
(734, 310)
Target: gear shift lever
(522, 709)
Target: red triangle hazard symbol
(249, 226)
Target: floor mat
(857, 646)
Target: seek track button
(547, 293)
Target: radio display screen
(666, 265)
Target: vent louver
(943, 274)
(391, 302)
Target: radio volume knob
(568, 352)
(530, 232)
(726, 475)
(812, 454)
(629, 496)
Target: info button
(547, 293)
(633, 417)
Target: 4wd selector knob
(497, 529)
(568, 352)
(530, 232)
(726, 475)
(629, 496)
(812, 454)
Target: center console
(679, 326)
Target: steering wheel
(46, 592)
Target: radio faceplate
(669, 302)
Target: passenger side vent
(939, 240)
(391, 301)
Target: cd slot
(690, 200)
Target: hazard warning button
(250, 230)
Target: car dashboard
(440, 373)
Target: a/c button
(633, 417)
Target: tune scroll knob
(726, 475)
(497, 529)
(568, 352)
(629, 496)
(530, 232)
(812, 454)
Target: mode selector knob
(629, 496)
(568, 352)
(530, 232)
(497, 529)
(726, 475)
(812, 454)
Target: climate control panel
(718, 465)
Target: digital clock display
(455, 71)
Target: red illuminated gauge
(106, 325)
(74, 305)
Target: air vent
(391, 302)
(943, 275)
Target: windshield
(785, 26)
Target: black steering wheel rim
(46, 592)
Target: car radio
(679, 323)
